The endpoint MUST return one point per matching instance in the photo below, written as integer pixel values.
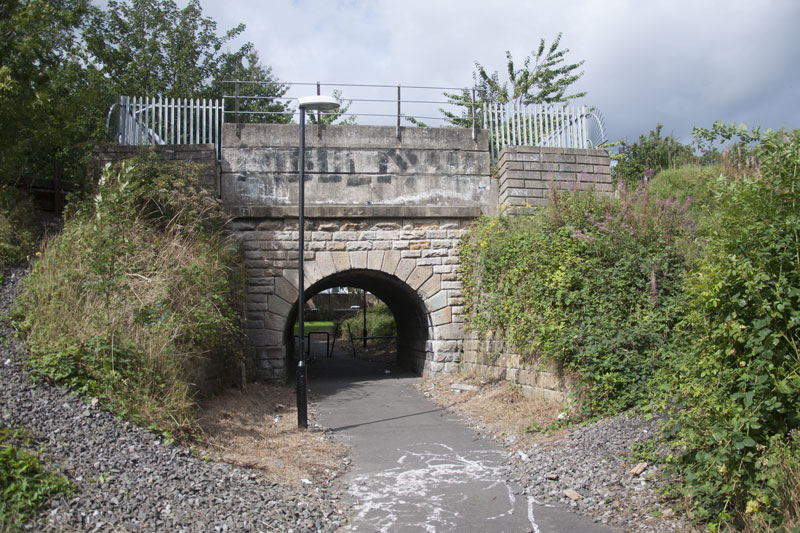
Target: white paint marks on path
(434, 488)
(531, 519)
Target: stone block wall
(490, 359)
(409, 263)
(527, 174)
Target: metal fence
(398, 105)
(542, 125)
(158, 120)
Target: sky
(679, 63)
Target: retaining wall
(385, 214)
(489, 358)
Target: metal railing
(159, 120)
(556, 126)
(398, 105)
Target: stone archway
(413, 263)
(411, 315)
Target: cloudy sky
(679, 62)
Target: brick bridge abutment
(383, 213)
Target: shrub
(25, 484)
(380, 322)
(17, 235)
(590, 285)
(740, 382)
(134, 296)
(652, 153)
(689, 182)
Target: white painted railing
(158, 120)
(542, 125)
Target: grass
(690, 184)
(310, 327)
(257, 428)
(498, 405)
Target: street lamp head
(318, 103)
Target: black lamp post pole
(302, 408)
(365, 318)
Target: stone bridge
(383, 214)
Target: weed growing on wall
(738, 426)
(590, 284)
(134, 297)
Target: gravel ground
(591, 461)
(128, 479)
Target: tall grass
(134, 298)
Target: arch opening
(410, 315)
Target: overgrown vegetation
(25, 483)
(589, 285)
(739, 380)
(17, 235)
(134, 297)
(684, 295)
(652, 153)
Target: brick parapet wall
(527, 174)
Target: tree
(260, 93)
(333, 116)
(151, 47)
(41, 101)
(652, 153)
(543, 79)
(63, 63)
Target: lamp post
(310, 103)
(364, 333)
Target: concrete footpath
(416, 467)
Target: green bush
(380, 322)
(739, 384)
(651, 154)
(25, 484)
(135, 295)
(591, 285)
(17, 233)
